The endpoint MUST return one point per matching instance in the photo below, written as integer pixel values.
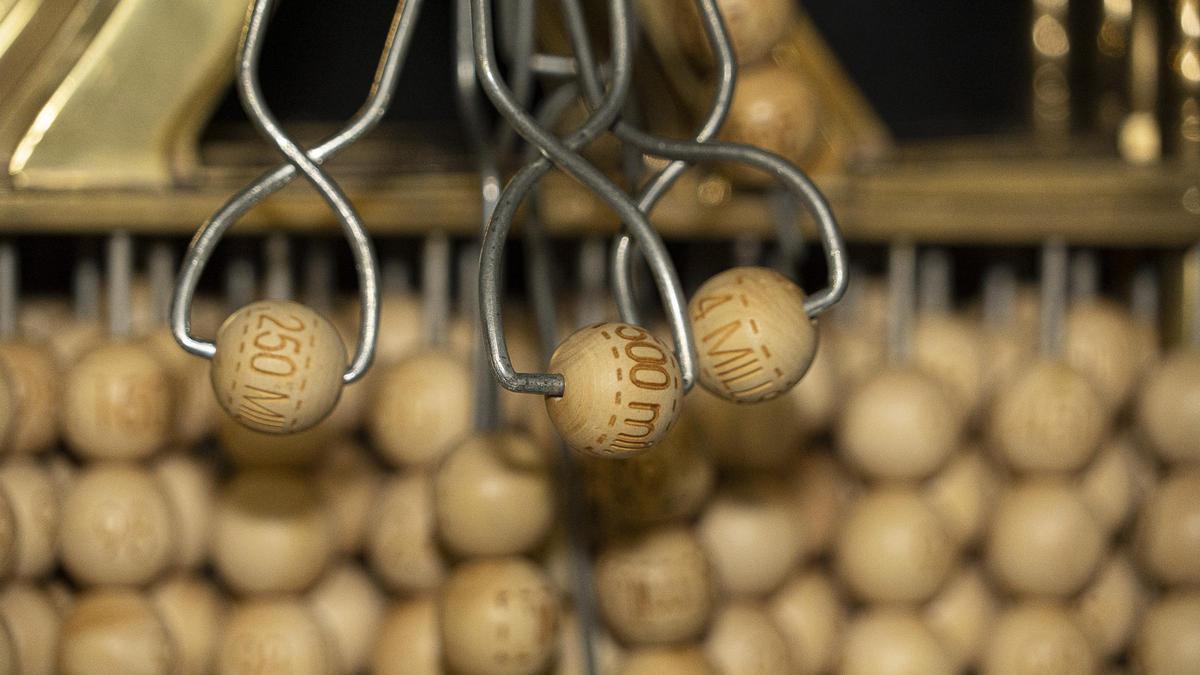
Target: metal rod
(936, 283)
(119, 270)
(999, 295)
(318, 275)
(902, 300)
(277, 284)
(435, 288)
(160, 270)
(240, 282)
(1085, 275)
(1054, 295)
(10, 289)
(592, 258)
(85, 284)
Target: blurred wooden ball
(743, 640)
(1167, 535)
(273, 635)
(114, 631)
(899, 425)
(486, 505)
(8, 536)
(349, 481)
(195, 409)
(893, 547)
(409, 640)
(810, 615)
(1100, 340)
(1168, 639)
(622, 392)
(33, 381)
(754, 341)
(655, 587)
(891, 641)
(963, 494)
(670, 482)
(34, 623)
(1043, 539)
(499, 617)
(401, 325)
(778, 110)
(1049, 419)
(1109, 485)
(117, 403)
(962, 616)
(822, 491)
(246, 447)
(423, 406)
(571, 659)
(857, 354)
(754, 27)
(1035, 638)
(271, 532)
(1168, 410)
(751, 536)
(36, 512)
(765, 435)
(117, 527)
(1110, 608)
(1005, 352)
(401, 545)
(8, 649)
(950, 349)
(278, 366)
(349, 607)
(188, 482)
(8, 407)
(671, 660)
(192, 610)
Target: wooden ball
(114, 631)
(117, 403)
(751, 536)
(349, 481)
(963, 493)
(39, 316)
(35, 515)
(899, 425)
(72, 341)
(742, 639)
(673, 660)
(278, 367)
(962, 616)
(1005, 353)
(423, 406)
(754, 341)
(486, 505)
(892, 641)
(1043, 539)
(188, 482)
(951, 350)
(195, 411)
(401, 325)
(8, 649)
(1168, 529)
(893, 547)
(571, 660)
(822, 491)
(1168, 640)
(409, 640)
(273, 636)
(622, 392)
(1037, 638)
(815, 399)
(670, 482)
(117, 527)
(34, 624)
(1109, 485)
(1168, 410)
(857, 354)
(349, 607)
(192, 610)
(655, 587)
(1110, 608)
(1100, 340)
(8, 537)
(401, 545)
(810, 615)
(1049, 419)
(754, 27)
(8, 407)
(246, 447)
(765, 435)
(33, 378)
(499, 616)
(271, 533)
(776, 109)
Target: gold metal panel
(135, 98)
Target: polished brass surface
(167, 60)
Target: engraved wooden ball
(811, 616)
(893, 547)
(34, 380)
(117, 527)
(742, 639)
(273, 635)
(499, 616)
(409, 640)
(118, 403)
(1035, 638)
(278, 367)
(622, 393)
(655, 587)
(1168, 410)
(886, 640)
(754, 341)
(114, 631)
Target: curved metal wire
(684, 153)
(300, 162)
(562, 154)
